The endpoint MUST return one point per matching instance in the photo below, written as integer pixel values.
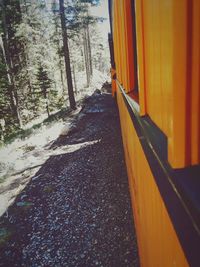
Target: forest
(49, 51)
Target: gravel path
(76, 210)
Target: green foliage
(31, 57)
(4, 97)
(44, 82)
(24, 204)
(22, 134)
(5, 235)
(78, 17)
(49, 189)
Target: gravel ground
(76, 210)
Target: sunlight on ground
(26, 167)
(20, 160)
(22, 153)
(23, 157)
(71, 148)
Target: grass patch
(29, 148)
(22, 134)
(18, 134)
(24, 204)
(3, 178)
(49, 189)
(5, 235)
(22, 207)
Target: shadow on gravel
(76, 210)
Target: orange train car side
(155, 56)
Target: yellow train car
(155, 57)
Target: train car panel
(167, 37)
(122, 29)
(117, 50)
(157, 239)
(177, 144)
(129, 46)
(195, 83)
(139, 23)
(161, 128)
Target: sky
(102, 11)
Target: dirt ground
(76, 211)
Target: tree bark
(45, 94)
(58, 51)
(74, 78)
(66, 56)
(8, 62)
(89, 50)
(2, 129)
(62, 76)
(85, 47)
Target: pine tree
(37, 40)
(66, 56)
(44, 83)
(11, 49)
(79, 24)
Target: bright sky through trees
(102, 11)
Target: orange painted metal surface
(168, 57)
(159, 62)
(117, 44)
(157, 240)
(184, 138)
(129, 46)
(168, 46)
(195, 84)
(123, 43)
(177, 138)
(139, 21)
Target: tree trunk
(74, 78)
(85, 47)
(2, 129)
(45, 94)
(8, 62)
(58, 52)
(62, 76)
(66, 56)
(89, 50)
